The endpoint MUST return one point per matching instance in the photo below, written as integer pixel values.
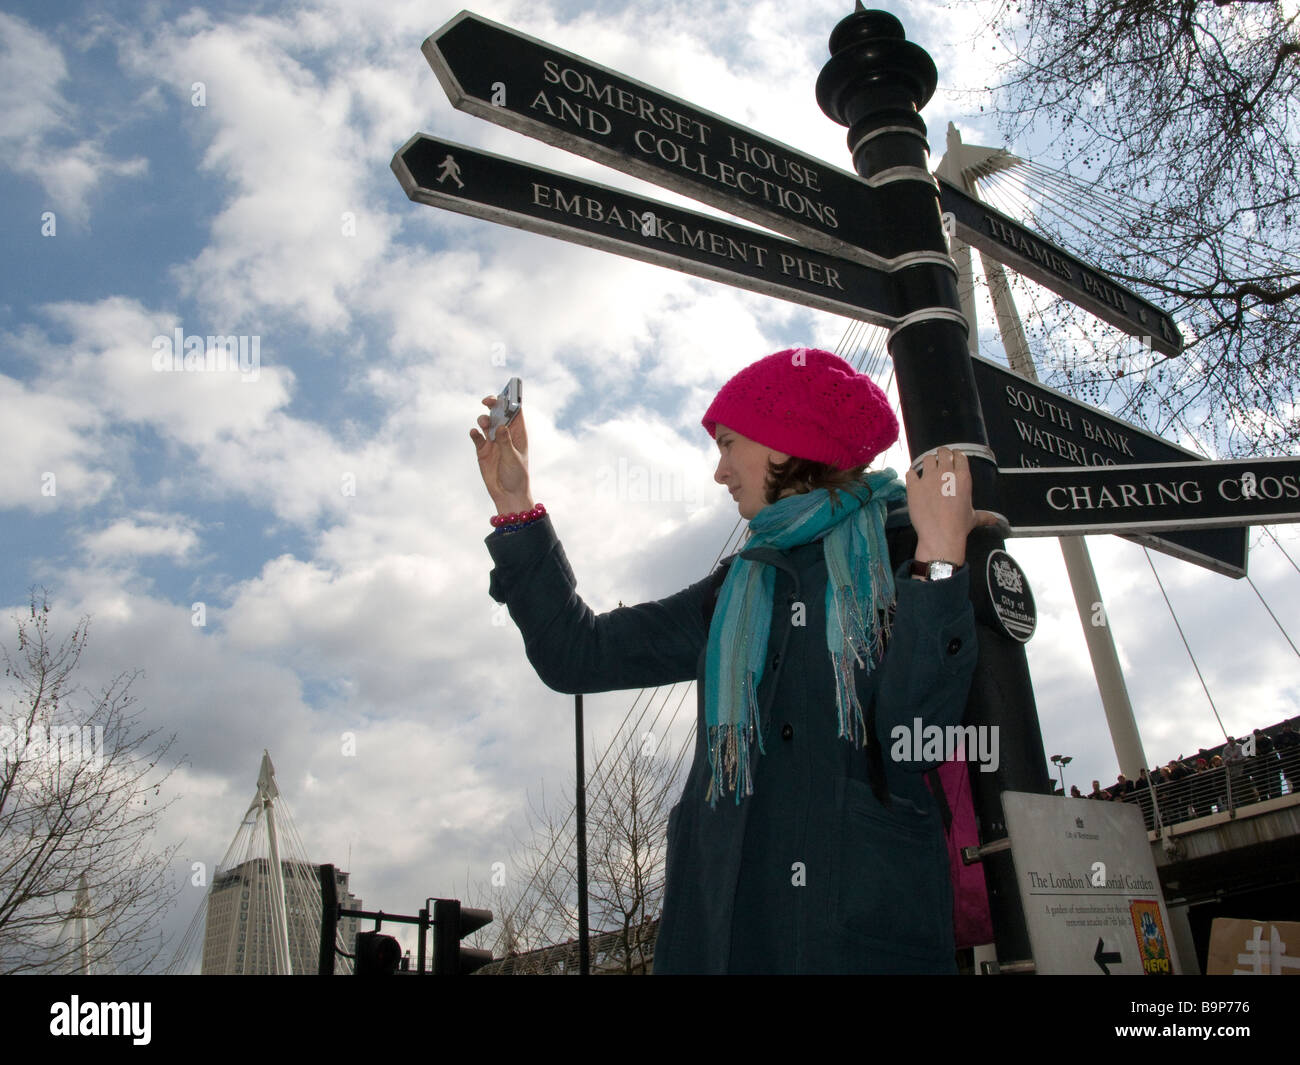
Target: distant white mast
(81, 919)
(267, 792)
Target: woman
(792, 849)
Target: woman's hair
(805, 475)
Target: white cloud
(108, 361)
(229, 433)
(50, 456)
(39, 128)
(298, 231)
(172, 536)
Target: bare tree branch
(79, 796)
(629, 800)
(1186, 114)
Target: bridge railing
(1220, 789)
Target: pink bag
(972, 923)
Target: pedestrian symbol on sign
(450, 169)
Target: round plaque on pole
(1009, 594)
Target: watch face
(940, 570)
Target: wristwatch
(938, 570)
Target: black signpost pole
(580, 805)
(875, 83)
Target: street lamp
(1061, 761)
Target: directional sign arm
(1031, 425)
(544, 92)
(1151, 497)
(1007, 241)
(462, 179)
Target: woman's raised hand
(939, 502)
(503, 462)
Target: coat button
(787, 731)
(954, 645)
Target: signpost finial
(869, 52)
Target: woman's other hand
(939, 502)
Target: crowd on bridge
(1254, 768)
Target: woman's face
(742, 467)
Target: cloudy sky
(294, 553)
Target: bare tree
(627, 850)
(79, 801)
(629, 797)
(1185, 116)
(532, 896)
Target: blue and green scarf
(859, 592)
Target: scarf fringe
(732, 746)
(860, 638)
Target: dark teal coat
(811, 873)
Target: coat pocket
(891, 883)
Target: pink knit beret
(807, 403)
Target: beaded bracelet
(505, 523)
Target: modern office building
(240, 933)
